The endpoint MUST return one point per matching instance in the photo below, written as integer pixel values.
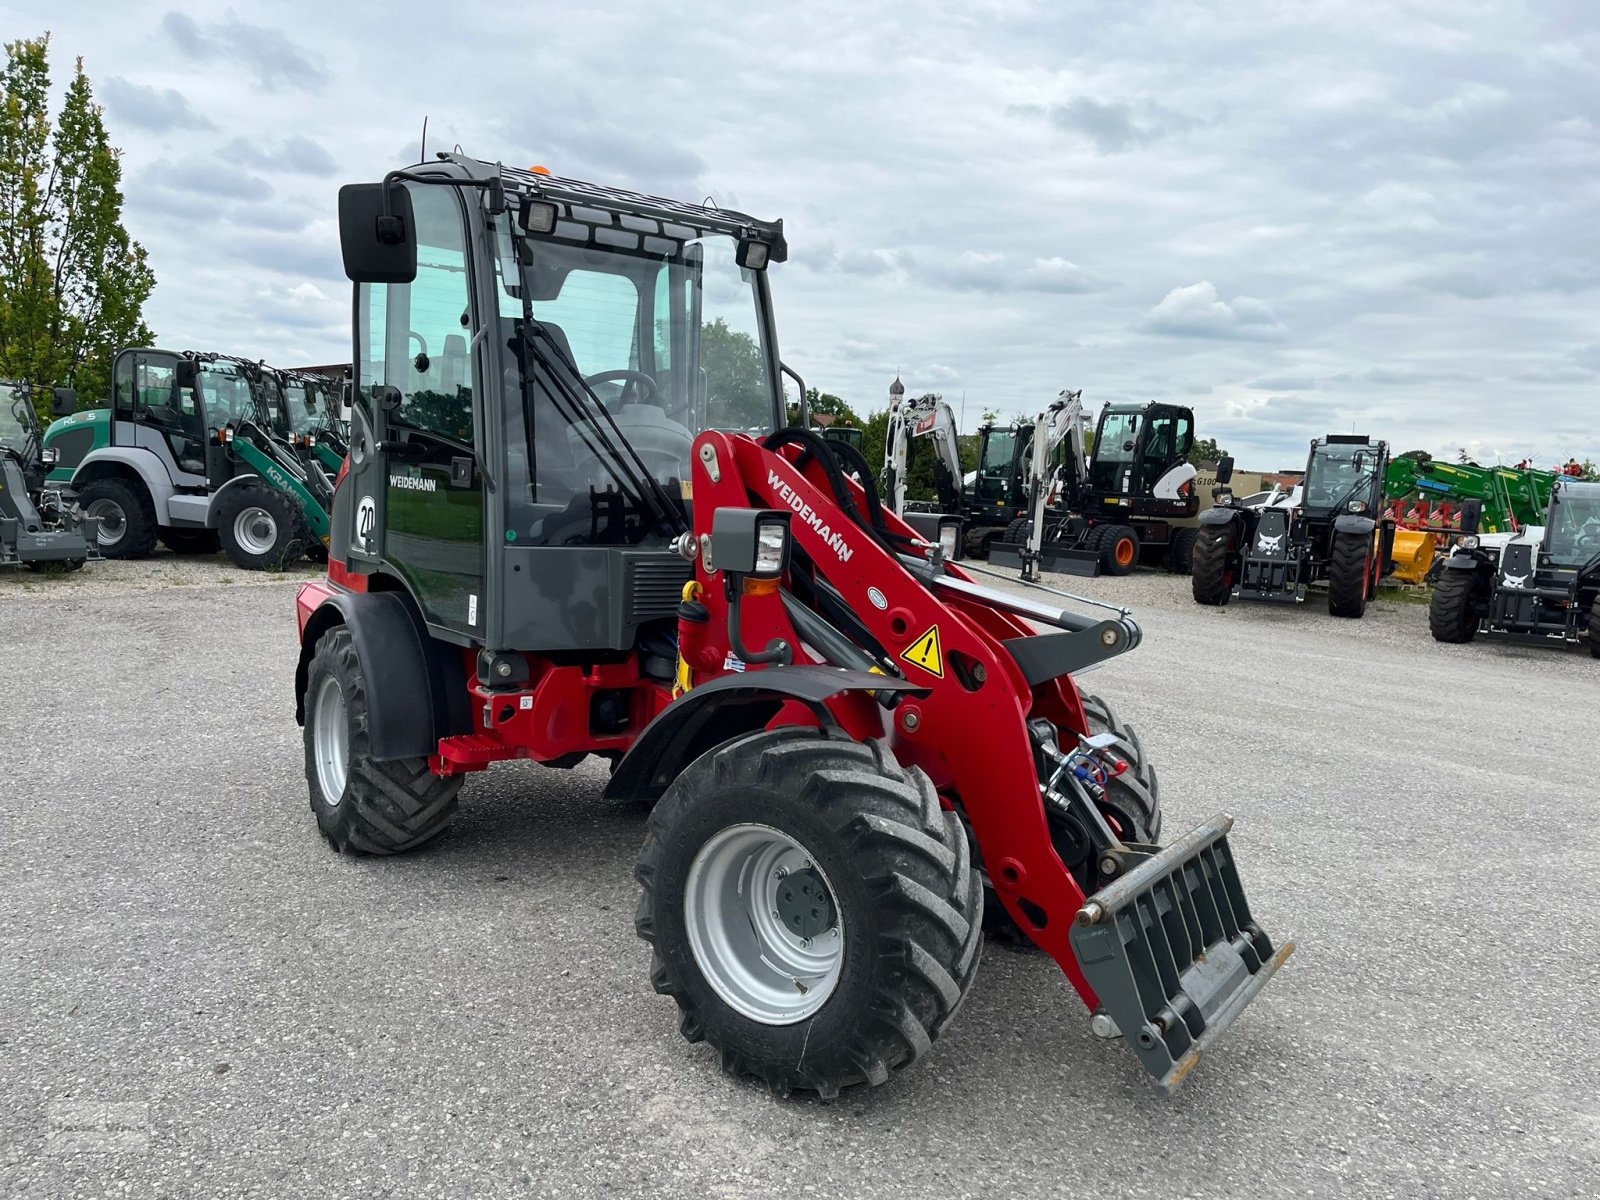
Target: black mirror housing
(1225, 468)
(63, 402)
(377, 238)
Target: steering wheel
(646, 385)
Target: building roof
(897, 388)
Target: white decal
(413, 483)
(472, 608)
(1515, 581)
(1269, 545)
(730, 663)
(879, 601)
(366, 521)
(810, 516)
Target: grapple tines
(1173, 953)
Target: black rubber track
(1180, 551)
(1209, 577)
(1349, 568)
(139, 515)
(1450, 615)
(909, 898)
(293, 535)
(387, 807)
(1134, 799)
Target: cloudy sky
(1297, 217)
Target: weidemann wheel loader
(555, 536)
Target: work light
(1357, 506)
(751, 542)
(538, 216)
(49, 455)
(1470, 542)
(950, 539)
(772, 546)
(753, 254)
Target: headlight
(949, 536)
(49, 456)
(1469, 542)
(1357, 506)
(772, 547)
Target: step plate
(1173, 953)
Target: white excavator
(1106, 510)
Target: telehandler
(566, 527)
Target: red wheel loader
(571, 523)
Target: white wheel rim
(330, 740)
(113, 521)
(255, 530)
(739, 883)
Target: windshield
(16, 420)
(226, 393)
(306, 406)
(1339, 473)
(1572, 536)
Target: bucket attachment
(1172, 951)
(1063, 560)
(1412, 555)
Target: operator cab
(1572, 528)
(534, 357)
(1139, 462)
(1344, 474)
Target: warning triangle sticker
(926, 653)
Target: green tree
(73, 284)
(736, 386)
(1206, 450)
(828, 405)
(1421, 456)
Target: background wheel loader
(40, 524)
(568, 543)
(1333, 530)
(184, 453)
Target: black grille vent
(656, 585)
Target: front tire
(363, 806)
(1119, 549)
(1450, 615)
(1349, 574)
(127, 519)
(1211, 577)
(261, 529)
(888, 880)
(1594, 628)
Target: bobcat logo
(1514, 581)
(1269, 545)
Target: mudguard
(123, 460)
(1218, 517)
(398, 658)
(725, 708)
(1464, 561)
(1354, 523)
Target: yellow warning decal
(925, 653)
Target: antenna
(423, 157)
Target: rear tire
(363, 806)
(1180, 552)
(1119, 549)
(1349, 574)
(1594, 628)
(127, 518)
(1211, 577)
(260, 529)
(1450, 615)
(903, 903)
(1017, 532)
(191, 541)
(1133, 809)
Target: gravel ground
(198, 998)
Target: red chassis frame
(970, 737)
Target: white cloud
(1197, 311)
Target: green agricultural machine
(1506, 498)
(40, 526)
(317, 427)
(185, 454)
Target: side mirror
(1471, 516)
(63, 402)
(377, 238)
(186, 373)
(1225, 469)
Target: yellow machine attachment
(1413, 555)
